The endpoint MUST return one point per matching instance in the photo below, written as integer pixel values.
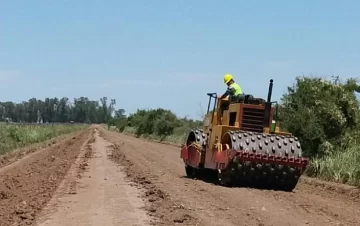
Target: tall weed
(16, 136)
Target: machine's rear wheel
(190, 171)
(196, 138)
(224, 179)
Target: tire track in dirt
(174, 199)
(102, 197)
(28, 184)
(158, 202)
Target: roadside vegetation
(324, 114)
(155, 124)
(16, 136)
(37, 120)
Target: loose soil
(100, 177)
(101, 197)
(28, 184)
(176, 200)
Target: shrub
(320, 113)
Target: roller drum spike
(256, 172)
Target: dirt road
(28, 184)
(76, 180)
(103, 196)
(191, 202)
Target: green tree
(320, 112)
(165, 124)
(120, 113)
(119, 120)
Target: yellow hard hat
(227, 78)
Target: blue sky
(149, 54)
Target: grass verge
(340, 166)
(17, 136)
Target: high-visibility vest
(236, 88)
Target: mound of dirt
(158, 203)
(11, 157)
(27, 185)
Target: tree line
(51, 110)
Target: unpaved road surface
(103, 196)
(99, 177)
(178, 200)
(28, 184)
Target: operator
(233, 91)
